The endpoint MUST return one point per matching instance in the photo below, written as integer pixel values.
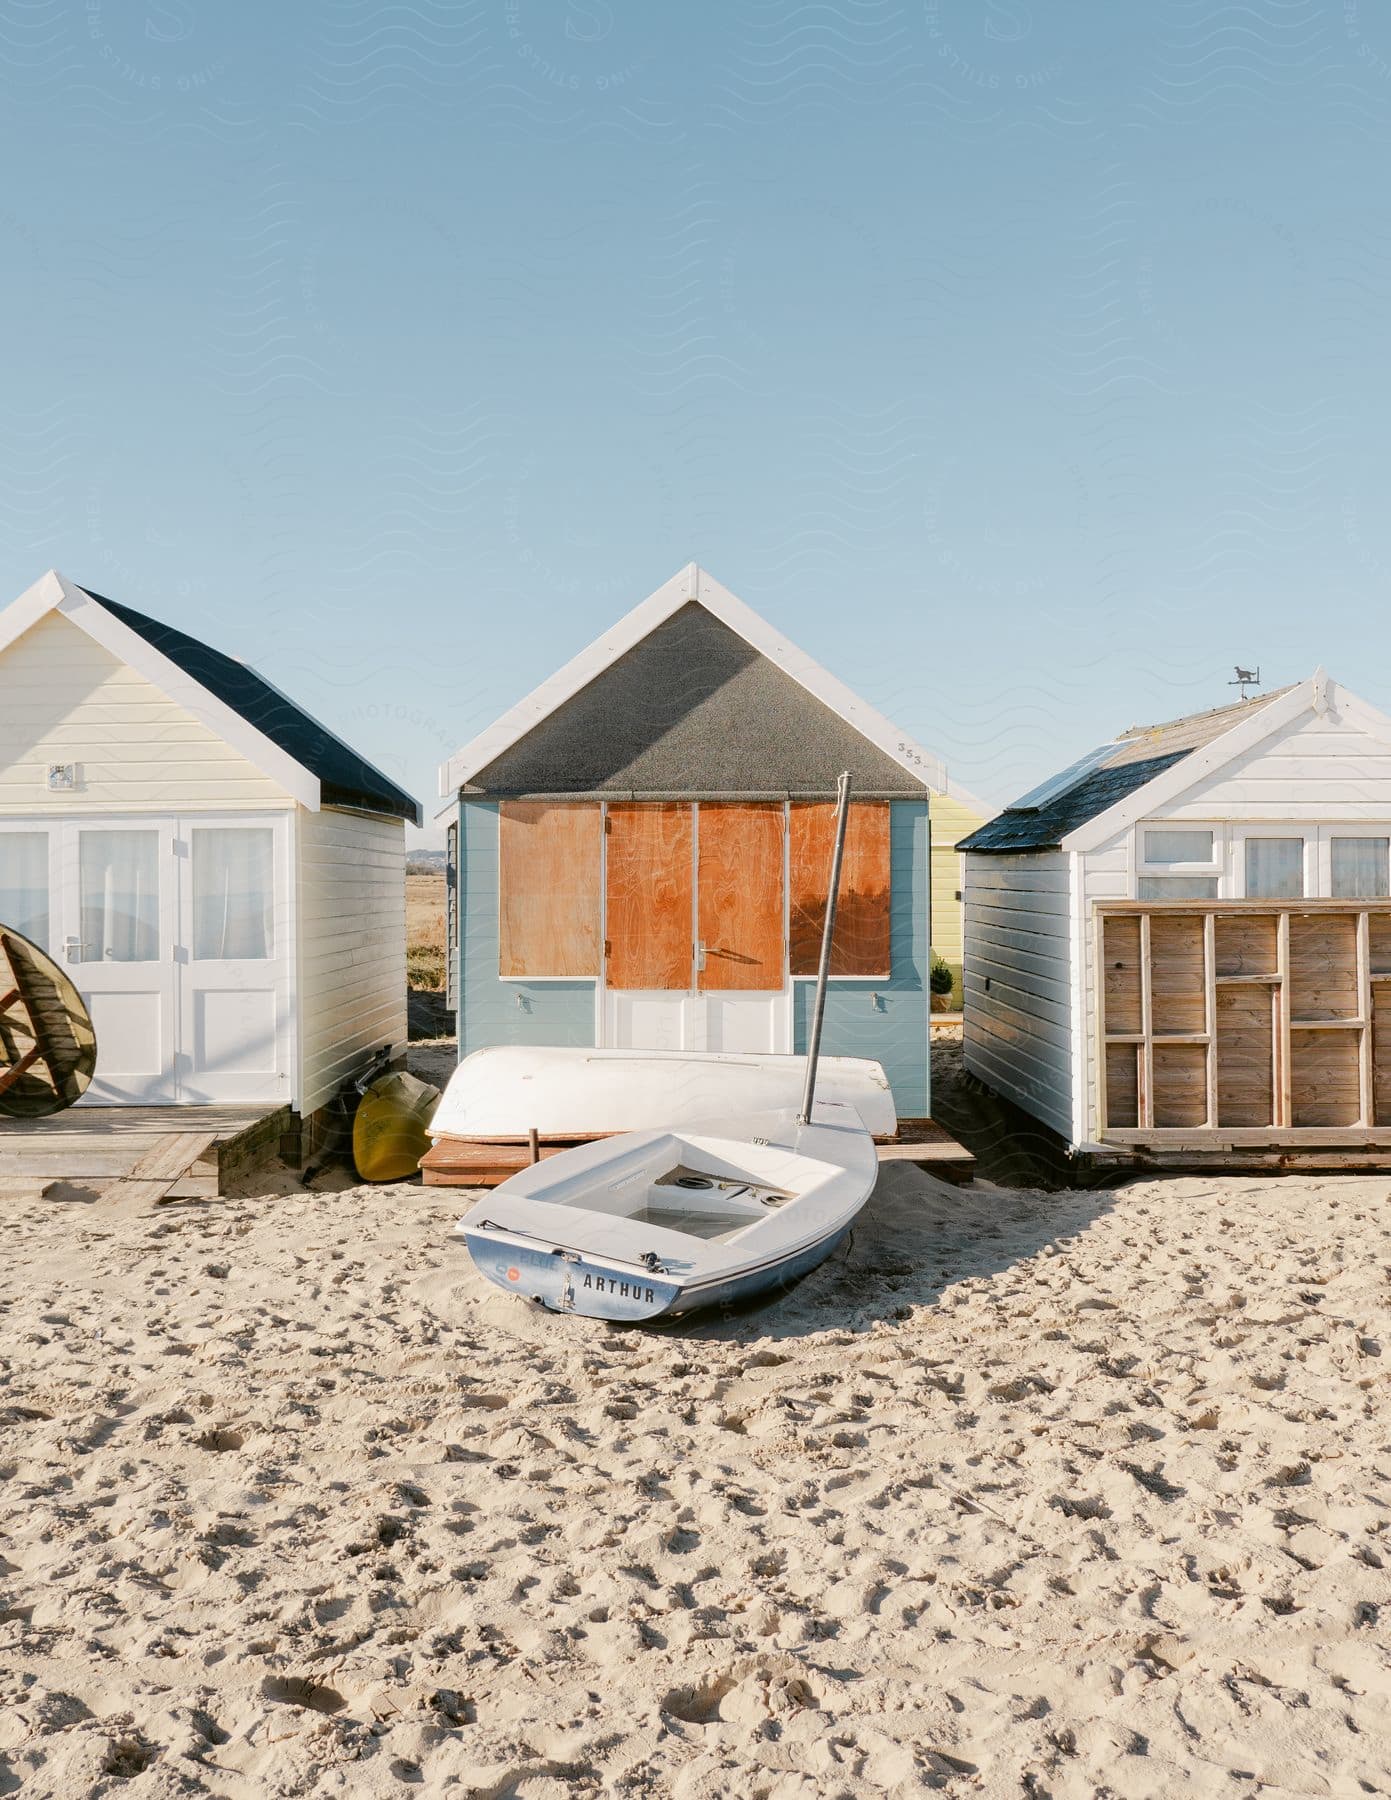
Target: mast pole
(824, 968)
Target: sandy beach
(1068, 1494)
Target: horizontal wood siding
(1018, 1020)
(352, 946)
(66, 699)
(1319, 770)
(490, 1010)
(951, 822)
(888, 1020)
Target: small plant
(940, 980)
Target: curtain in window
(1177, 887)
(233, 894)
(118, 873)
(1178, 846)
(24, 884)
(1360, 868)
(1274, 868)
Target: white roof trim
(1194, 768)
(694, 583)
(54, 593)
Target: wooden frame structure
(1237, 1023)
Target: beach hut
(222, 877)
(1179, 948)
(641, 846)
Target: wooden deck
(148, 1153)
(477, 1162)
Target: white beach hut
(222, 876)
(1180, 946)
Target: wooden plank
(1245, 1056)
(1379, 941)
(1177, 976)
(739, 886)
(1099, 1052)
(1146, 1096)
(1366, 1083)
(943, 1157)
(173, 1156)
(1120, 953)
(548, 888)
(1122, 1085)
(1210, 1011)
(1323, 977)
(1381, 1058)
(650, 896)
(860, 944)
(1324, 1078)
(1180, 1084)
(1283, 1097)
(1246, 945)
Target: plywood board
(548, 888)
(1122, 1086)
(1121, 954)
(1323, 966)
(1325, 1087)
(1180, 1085)
(1245, 1055)
(1379, 939)
(1246, 943)
(650, 896)
(861, 944)
(1178, 995)
(739, 853)
(1381, 1055)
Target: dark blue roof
(1045, 827)
(345, 778)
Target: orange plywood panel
(740, 853)
(860, 945)
(548, 888)
(649, 890)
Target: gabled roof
(626, 706)
(229, 697)
(1122, 780)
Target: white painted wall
(351, 950)
(1018, 993)
(66, 699)
(1321, 769)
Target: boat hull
(573, 1282)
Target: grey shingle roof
(1137, 757)
(345, 778)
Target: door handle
(700, 956)
(72, 949)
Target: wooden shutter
(740, 853)
(861, 942)
(548, 888)
(649, 850)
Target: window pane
(1361, 867)
(233, 894)
(118, 874)
(24, 884)
(1178, 846)
(1178, 887)
(1274, 868)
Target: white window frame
(1216, 868)
(1314, 865)
(1361, 828)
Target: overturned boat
(503, 1094)
(656, 1223)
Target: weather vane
(1245, 678)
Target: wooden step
(471, 1162)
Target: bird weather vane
(1245, 678)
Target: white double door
(176, 933)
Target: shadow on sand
(916, 1237)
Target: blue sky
(1027, 364)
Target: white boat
(661, 1222)
(509, 1091)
